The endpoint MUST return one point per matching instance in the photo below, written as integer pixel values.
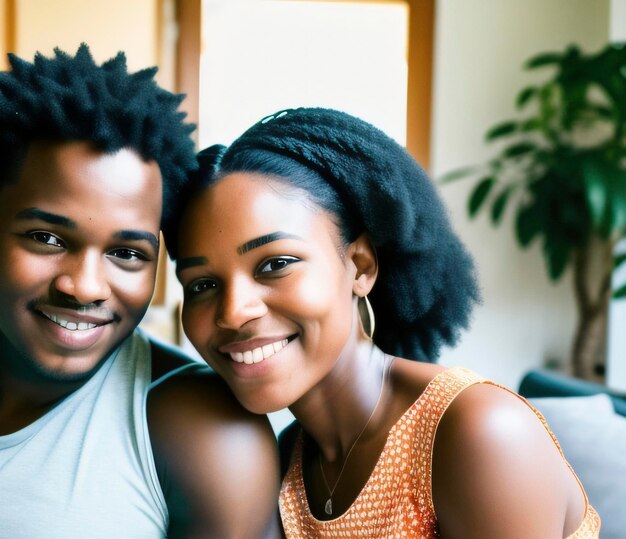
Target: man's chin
(46, 362)
(68, 370)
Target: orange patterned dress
(397, 500)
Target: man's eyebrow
(262, 240)
(41, 215)
(138, 235)
(185, 263)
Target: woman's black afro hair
(426, 285)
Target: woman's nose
(241, 302)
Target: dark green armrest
(538, 383)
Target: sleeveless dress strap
(432, 404)
(436, 399)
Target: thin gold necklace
(328, 506)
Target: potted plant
(562, 168)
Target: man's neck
(26, 395)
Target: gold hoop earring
(366, 314)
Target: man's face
(78, 252)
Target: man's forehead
(48, 161)
(70, 174)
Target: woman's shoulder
(494, 462)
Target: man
(104, 433)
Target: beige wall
(618, 20)
(107, 26)
(479, 51)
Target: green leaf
(618, 214)
(543, 60)
(527, 225)
(499, 204)
(557, 257)
(517, 150)
(457, 174)
(501, 130)
(601, 111)
(479, 194)
(619, 260)
(524, 96)
(532, 124)
(596, 190)
(620, 293)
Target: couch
(589, 420)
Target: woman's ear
(363, 256)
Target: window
(262, 56)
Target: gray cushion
(593, 438)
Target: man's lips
(255, 350)
(76, 319)
(73, 329)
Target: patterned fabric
(397, 500)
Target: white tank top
(85, 470)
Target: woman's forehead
(245, 206)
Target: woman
(317, 262)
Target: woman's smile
(268, 288)
(254, 350)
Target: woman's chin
(258, 405)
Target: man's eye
(127, 254)
(201, 285)
(47, 238)
(276, 264)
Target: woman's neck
(348, 403)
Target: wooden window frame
(8, 21)
(420, 67)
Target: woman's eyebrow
(262, 240)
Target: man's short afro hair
(426, 286)
(71, 98)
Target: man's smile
(72, 326)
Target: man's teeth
(72, 326)
(258, 354)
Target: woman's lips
(254, 351)
(256, 355)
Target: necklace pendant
(328, 508)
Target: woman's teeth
(258, 354)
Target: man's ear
(363, 256)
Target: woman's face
(268, 288)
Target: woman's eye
(199, 286)
(46, 238)
(276, 264)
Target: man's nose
(84, 278)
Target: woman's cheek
(196, 326)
